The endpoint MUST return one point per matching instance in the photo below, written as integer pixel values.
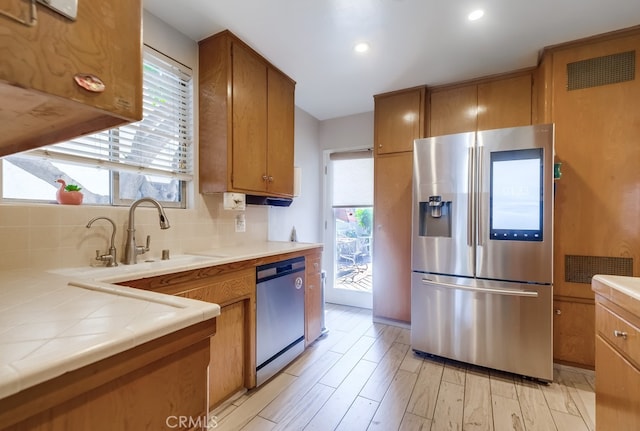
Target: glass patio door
(349, 227)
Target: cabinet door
(56, 49)
(280, 134)
(617, 390)
(392, 236)
(453, 110)
(399, 119)
(226, 366)
(504, 103)
(249, 171)
(41, 62)
(313, 300)
(573, 329)
(233, 363)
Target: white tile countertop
(58, 321)
(185, 262)
(629, 286)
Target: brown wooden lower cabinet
(313, 299)
(617, 358)
(573, 329)
(232, 366)
(145, 388)
(233, 363)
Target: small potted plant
(68, 194)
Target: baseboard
(391, 322)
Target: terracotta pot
(68, 198)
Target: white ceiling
(413, 42)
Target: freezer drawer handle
(526, 293)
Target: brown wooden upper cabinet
(40, 101)
(246, 120)
(399, 119)
(488, 104)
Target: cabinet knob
(558, 311)
(270, 179)
(264, 178)
(621, 334)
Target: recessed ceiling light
(475, 15)
(361, 47)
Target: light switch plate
(68, 8)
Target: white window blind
(352, 179)
(160, 144)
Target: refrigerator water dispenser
(435, 217)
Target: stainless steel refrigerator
(482, 249)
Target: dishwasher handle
(279, 269)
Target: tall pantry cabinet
(592, 94)
(399, 118)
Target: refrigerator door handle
(525, 293)
(470, 200)
(480, 213)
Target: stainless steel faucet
(131, 250)
(111, 258)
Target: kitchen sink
(144, 268)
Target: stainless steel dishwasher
(279, 316)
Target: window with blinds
(152, 157)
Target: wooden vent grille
(580, 269)
(609, 69)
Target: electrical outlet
(241, 225)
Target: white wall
(351, 132)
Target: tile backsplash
(55, 236)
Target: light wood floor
(364, 376)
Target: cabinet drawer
(224, 289)
(620, 333)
